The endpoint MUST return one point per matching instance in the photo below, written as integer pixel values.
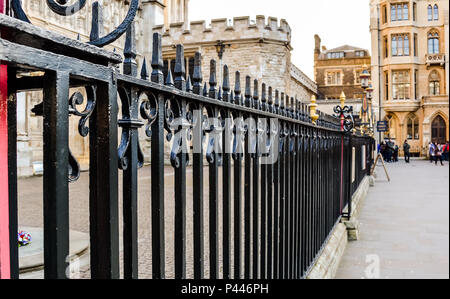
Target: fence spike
(277, 102)
(169, 79)
(212, 80)
(188, 84)
(197, 76)
(248, 93)
(282, 105)
(231, 97)
(256, 95)
(205, 90)
(78, 37)
(270, 99)
(226, 84)
(237, 89)
(264, 97)
(180, 69)
(219, 94)
(129, 52)
(157, 60)
(144, 71)
(293, 110)
(97, 21)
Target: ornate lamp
(364, 78)
(369, 92)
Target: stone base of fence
(327, 264)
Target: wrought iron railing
(291, 176)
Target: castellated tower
(260, 49)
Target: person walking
(431, 148)
(396, 149)
(383, 150)
(438, 154)
(445, 151)
(389, 151)
(406, 151)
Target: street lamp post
(366, 86)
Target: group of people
(438, 152)
(389, 151)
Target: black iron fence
(276, 216)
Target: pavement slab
(404, 226)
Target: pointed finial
(313, 107)
(180, 69)
(97, 21)
(197, 76)
(212, 80)
(255, 95)
(270, 100)
(342, 99)
(169, 79)
(237, 89)
(144, 72)
(263, 97)
(205, 90)
(78, 37)
(277, 102)
(248, 95)
(157, 60)
(232, 97)
(189, 84)
(129, 52)
(282, 104)
(219, 94)
(226, 84)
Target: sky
(336, 22)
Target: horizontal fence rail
(268, 185)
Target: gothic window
(430, 13)
(412, 127)
(401, 85)
(394, 46)
(390, 134)
(434, 82)
(436, 12)
(386, 86)
(433, 43)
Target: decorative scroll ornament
(214, 127)
(129, 123)
(178, 128)
(76, 100)
(149, 112)
(239, 137)
(346, 113)
(61, 7)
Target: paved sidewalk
(404, 226)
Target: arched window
(412, 127)
(433, 42)
(391, 127)
(406, 46)
(405, 12)
(394, 46)
(436, 12)
(430, 13)
(434, 83)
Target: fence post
(4, 194)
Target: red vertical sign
(4, 211)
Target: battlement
(239, 28)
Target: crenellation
(241, 26)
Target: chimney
(317, 44)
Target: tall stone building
(260, 49)
(410, 69)
(338, 70)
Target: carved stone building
(410, 69)
(260, 49)
(337, 70)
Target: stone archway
(438, 130)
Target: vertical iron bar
(103, 176)
(247, 209)
(56, 188)
(237, 213)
